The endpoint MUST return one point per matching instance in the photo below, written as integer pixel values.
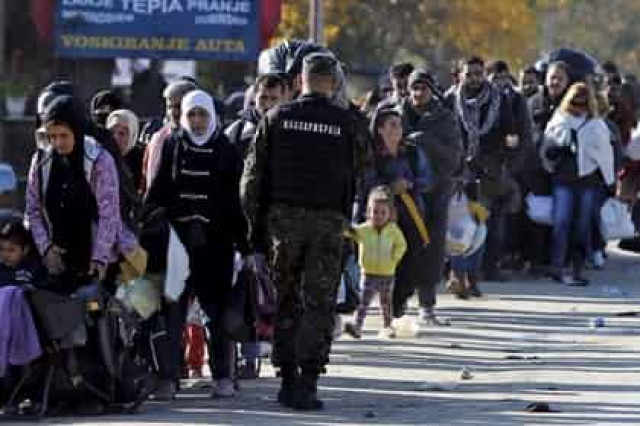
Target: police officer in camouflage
(297, 191)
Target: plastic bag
(461, 227)
(348, 295)
(177, 267)
(615, 220)
(632, 151)
(140, 295)
(540, 209)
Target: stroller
(90, 348)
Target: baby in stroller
(88, 364)
(19, 271)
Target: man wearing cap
(298, 183)
(434, 129)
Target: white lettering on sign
(149, 7)
(227, 6)
(98, 4)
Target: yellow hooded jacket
(380, 250)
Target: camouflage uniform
(305, 245)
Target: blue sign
(165, 29)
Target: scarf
(126, 118)
(70, 204)
(469, 111)
(71, 208)
(198, 99)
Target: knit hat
(421, 75)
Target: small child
(381, 246)
(19, 264)
(463, 278)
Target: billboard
(164, 29)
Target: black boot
(288, 387)
(307, 392)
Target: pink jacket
(111, 238)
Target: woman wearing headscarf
(124, 126)
(198, 184)
(402, 165)
(73, 204)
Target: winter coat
(111, 237)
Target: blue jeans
(573, 207)
(471, 263)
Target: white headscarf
(201, 99)
(129, 119)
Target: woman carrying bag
(577, 152)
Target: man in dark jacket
(436, 131)
(268, 91)
(499, 75)
(287, 185)
(491, 142)
(536, 180)
(399, 76)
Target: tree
(375, 33)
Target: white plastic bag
(540, 209)
(632, 151)
(615, 220)
(140, 295)
(461, 227)
(177, 267)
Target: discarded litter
(465, 374)
(628, 314)
(406, 326)
(597, 322)
(521, 357)
(540, 407)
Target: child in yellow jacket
(381, 246)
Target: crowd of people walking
(422, 184)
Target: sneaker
(578, 281)
(387, 333)
(427, 317)
(353, 330)
(598, 260)
(456, 287)
(561, 278)
(224, 388)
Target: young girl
(381, 246)
(466, 262)
(19, 263)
